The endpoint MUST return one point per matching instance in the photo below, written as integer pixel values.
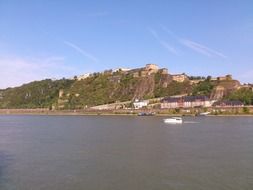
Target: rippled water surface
(125, 153)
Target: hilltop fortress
(150, 69)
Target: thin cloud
(168, 47)
(81, 51)
(16, 71)
(162, 42)
(197, 47)
(154, 33)
(72, 45)
(170, 32)
(55, 59)
(204, 50)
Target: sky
(59, 38)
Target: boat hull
(173, 121)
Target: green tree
(245, 110)
(203, 88)
(245, 95)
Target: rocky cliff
(224, 88)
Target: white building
(121, 69)
(186, 102)
(84, 76)
(140, 104)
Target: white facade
(84, 76)
(140, 104)
(186, 103)
(121, 69)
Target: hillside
(104, 89)
(38, 94)
(111, 86)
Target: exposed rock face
(224, 88)
(218, 93)
(145, 87)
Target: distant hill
(37, 94)
(113, 86)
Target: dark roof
(228, 103)
(171, 99)
(185, 99)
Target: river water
(125, 153)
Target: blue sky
(55, 39)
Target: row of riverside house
(196, 101)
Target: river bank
(157, 112)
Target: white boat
(173, 120)
(204, 113)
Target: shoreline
(106, 113)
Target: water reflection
(5, 160)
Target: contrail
(162, 42)
(80, 50)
